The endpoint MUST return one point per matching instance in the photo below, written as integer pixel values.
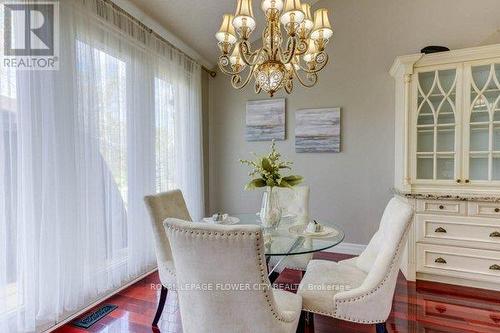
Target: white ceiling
(196, 21)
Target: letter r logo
(29, 29)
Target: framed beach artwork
(265, 120)
(317, 130)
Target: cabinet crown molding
(405, 64)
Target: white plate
(228, 221)
(300, 229)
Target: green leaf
(266, 164)
(284, 183)
(258, 182)
(293, 180)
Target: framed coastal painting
(265, 120)
(317, 130)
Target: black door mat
(94, 317)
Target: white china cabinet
(448, 163)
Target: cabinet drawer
(473, 264)
(459, 231)
(486, 209)
(440, 310)
(442, 207)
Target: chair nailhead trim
(263, 275)
(262, 267)
(354, 299)
(380, 285)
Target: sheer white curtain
(178, 87)
(79, 148)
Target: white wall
(350, 188)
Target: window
(110, 79)
(165, 135)
(102, 80)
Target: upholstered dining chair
(293, 201)
(361, 289)
(222, 281)
(162, 206)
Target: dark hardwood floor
(423, 307)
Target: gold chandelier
(275, 64)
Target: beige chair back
(222, 280)
(161, 206)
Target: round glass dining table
(283, 241)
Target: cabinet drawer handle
(440, 308)
(495, 267)
(459, 181)
(495, 234)
(439, 229)
(467, 181)
(497, 210)
(441, 207)
(441, 261)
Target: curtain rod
(154, 33)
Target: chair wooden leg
(381, 328)
(306, 322)
(273, 277)
(161, 305)
(309, 322)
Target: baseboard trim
(347, 248)
(100, 300)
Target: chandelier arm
(304, 83)
(246, 56)
(247, 48)
(291, 49)
(253, 56)
(317, 69)
(235, 79)
(301, 47)
(228, 72)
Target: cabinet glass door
(484, 123)
(436, 123)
